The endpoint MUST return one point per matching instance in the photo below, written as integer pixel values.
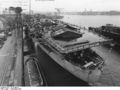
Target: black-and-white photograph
(72, 43)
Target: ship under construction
(67, 46)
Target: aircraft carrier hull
(89, 76)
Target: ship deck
(76, 44)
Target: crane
(59, 10)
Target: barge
(109, 31)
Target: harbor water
(93, 21)
(111, 71)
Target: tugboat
(72, 52)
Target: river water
(92, 20)
(111, 71)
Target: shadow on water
(115, 48)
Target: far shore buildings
(8, 11)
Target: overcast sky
(67, 5)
